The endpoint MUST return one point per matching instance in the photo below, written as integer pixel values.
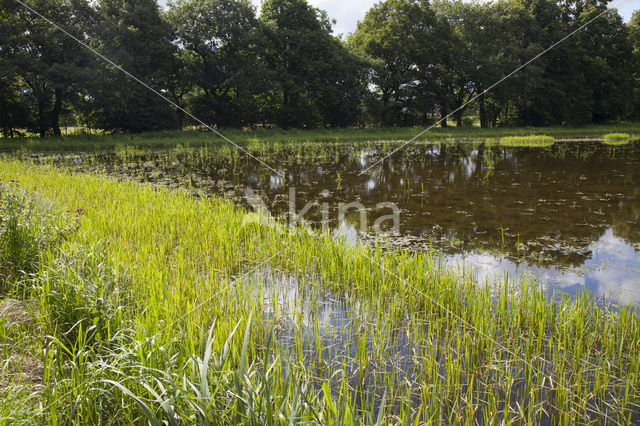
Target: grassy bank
(157, 306)
(242, 137)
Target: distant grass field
(171, 139)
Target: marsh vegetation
(152, 299)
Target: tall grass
(155, 310)
(28, 227)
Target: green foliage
(406, 45)
(410, 62)
(318, 80)
(28, 227)
(617, 136)
(45, 66)
(221, 43)
(634, 37)
(134, 35)
(83, 298)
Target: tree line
(410, 62)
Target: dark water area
(567, 215)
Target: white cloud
(347, 13)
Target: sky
(347, 13)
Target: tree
(586, 78)
(451, 79)
(398, 38)
(221, 41)
(13, 112)
(317, 79)
(133, 35)
(634, 38)
(605, 63)
(43, 66)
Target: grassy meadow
(194, 138)
(139, 304)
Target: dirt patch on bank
(20, 360)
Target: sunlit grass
(616, 139)
(151, 319)
(538, 141)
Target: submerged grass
(153, 314)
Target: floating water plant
(538, 141)
(616, 139)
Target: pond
(566, 215)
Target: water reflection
(331, 331)
(612, 272)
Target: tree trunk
(483, 113)
(459, 110)
(180, 119)
(384, 118)
(444, 112)
(54, 115)
(42, 119)
(459, 118)
(396, 107)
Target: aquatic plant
(538, 141)
(27, 228)
(617, 136)
(616, 139)
(254, 137)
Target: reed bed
(159, 307)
